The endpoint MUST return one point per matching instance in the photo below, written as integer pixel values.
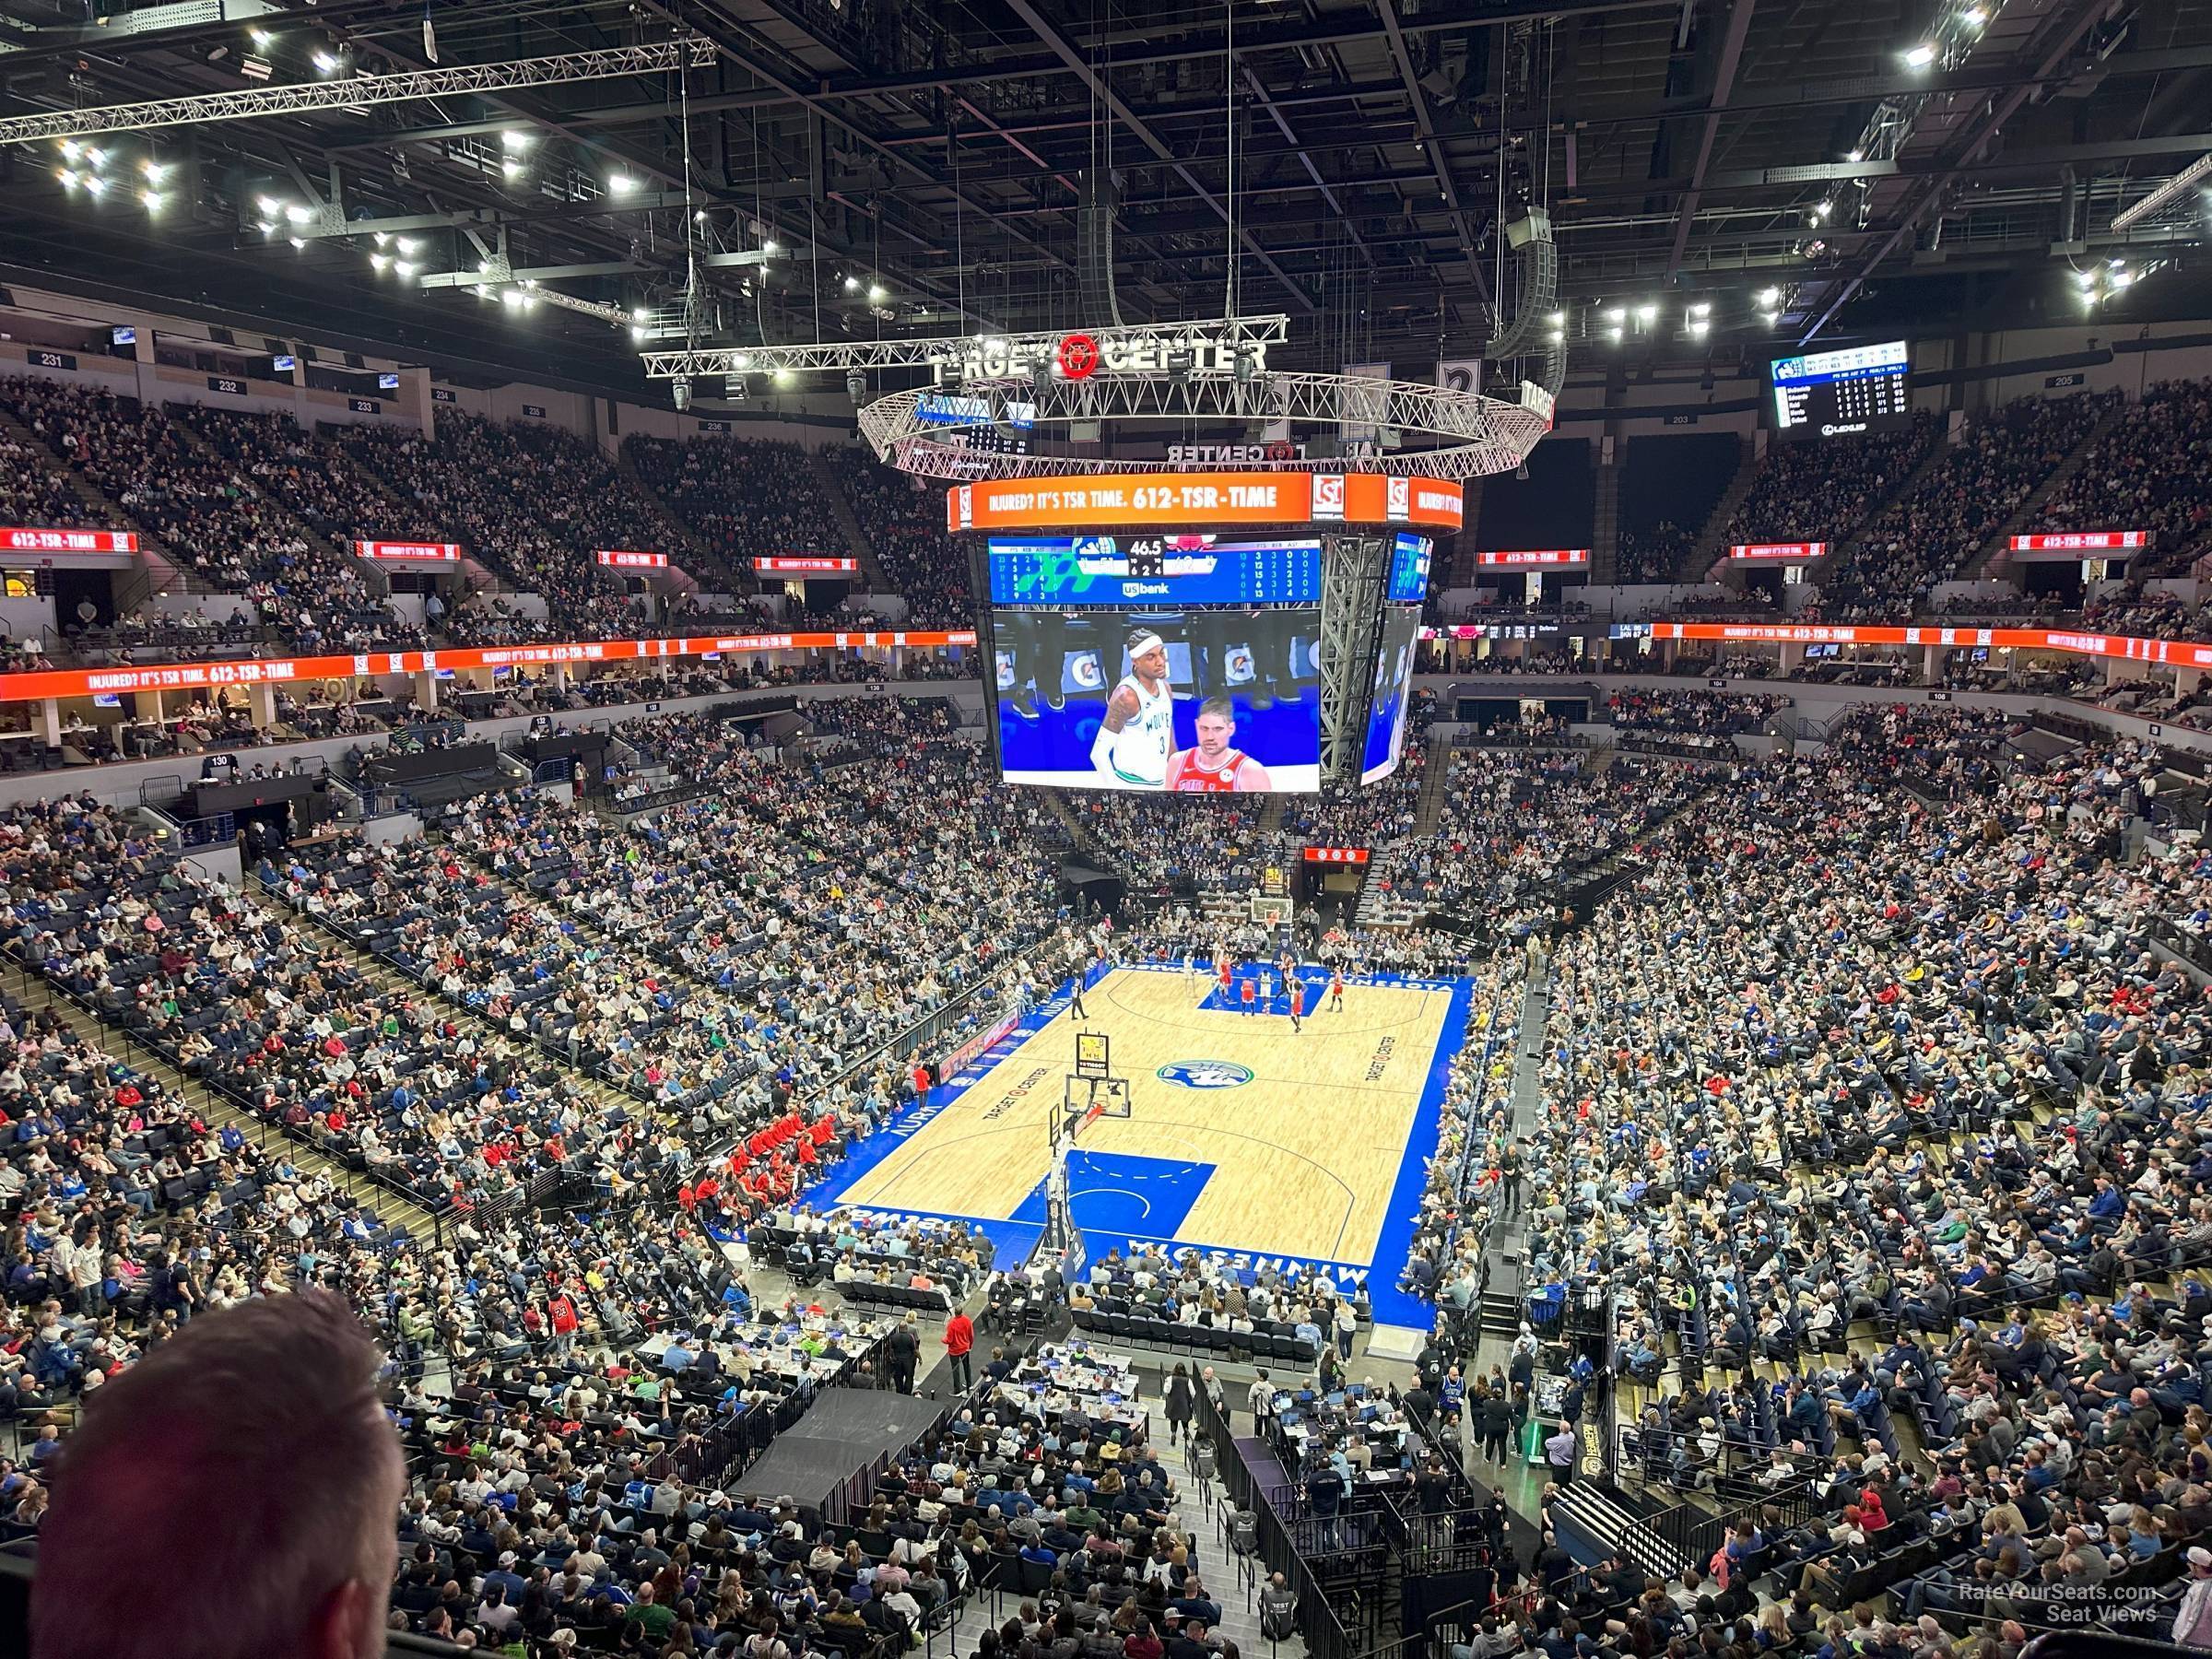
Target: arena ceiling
(1796, 166)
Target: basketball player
(1138, 734)
(1223, 971)
(1214, 767)
(1267, 986)
(1189, 966)
(1337, 991)
(1298, 1006)
(1250, 1006)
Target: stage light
(1770, 297)
(1973, 16)
(325, 64)
(511, 296)
(155, 171)
(269, 205)
(621, 184)
(153, 200)
(876, 293)
(299, 215)
(1854, 155)
(771, 248)
(1617, 315)
(407, 244)
(380, 262)
(700, 217)
(1921, 56)
(1647, 313)
(744, 360)
(851, 285)
(97, 157)
(511, 140)
(2087, 278)
(1702, 309)
(263, 39)
(407, 267)
(297, 242)
(511, 168)
(1559, 319)
(639, 315)
(1769, 318)
(1699, 327)
(1614, 335)
(268, 226)
(784, 377)
(96, 184)
(2122, 277)
(70, 147)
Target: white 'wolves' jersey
(1140, 749)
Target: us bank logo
(1205, 1073)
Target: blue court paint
(1115, 1192)
(1104, 1217)
(1315, 981)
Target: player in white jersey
(1138, 732)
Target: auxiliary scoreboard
(1835, 394)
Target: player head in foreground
(1138, 731)
(1214, 767)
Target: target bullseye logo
(1078, 356)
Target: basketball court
(1241, 1137)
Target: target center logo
(1079, 355)
(1205, 1073)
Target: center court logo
(1205, 1073)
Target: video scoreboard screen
(1181, 663)
(1409, 559)
(1836, 393)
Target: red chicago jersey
(1187, 777)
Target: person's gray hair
(235, 1478)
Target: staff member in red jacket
(960, 1337)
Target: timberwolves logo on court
(1205, 1073)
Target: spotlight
(153, 200)
(637, 331)
(1617, 315)
(771, 247)
(263, 39)
(1921, 56)
(70, 149)
(270, 207)
(700, 217)
(1559, 319)
(1699, 327)
(380, 262)
(1702, 309)
(2121, 278)
(511, 141)
(856, 384)
(876, 293)
(1647, 313)
(297, 242)
(1973, 16)
(1854, 155)
(407, 244)
(744, 360)
(325, 64)
(67, 175)
(383, 239)
(639, 315)
(511, 168)
(155, 171)
(785, 376)
(2087, 278)
(407, 267)
(1770, 297)
(96, 184)
(851, 285)
(1613, 334)
(299, 215)
(97, 157)
(621, 184)
(1769, 318)
(268, 226)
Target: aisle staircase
(1990, 555)
(1706, 547)
(697, 558)
(1848, 546)
(379, 580)
(848, 522)
(1436, 777)
(155, 571)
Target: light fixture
(1702, 309)
(1973, 16)
(297, 242)
(299, 215)
(621, 184)
(406, 268)
(1770, 297)
(744, 360)
(2087, 278)
(155, 171)
(268, 226)
(851, 285)
(153, 200)
(511, 140)
(1699, 326)
(2121, 278)
(95, 183)
(407, 244)
(269, 205)
(699, 216)
(876, 293)
(511, 168)
(1854, 155)
(1769, 317)
(1647, 313)
(785, 376)
(380, 262)
(325, 64)
(637, 331)
(511, 296)
(1559, 319)
(97, 157)
(1617, 315)
(639, 315)
(262, 39)
(67, 175)
(769, 247)
(1919, 56)
(1614, 335)
(70, 147)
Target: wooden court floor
(1304, 1155)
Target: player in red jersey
(1249, 1005)
(1214, 767)
(1298, 1001)
(1336, 990)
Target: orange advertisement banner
(1201, 501)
